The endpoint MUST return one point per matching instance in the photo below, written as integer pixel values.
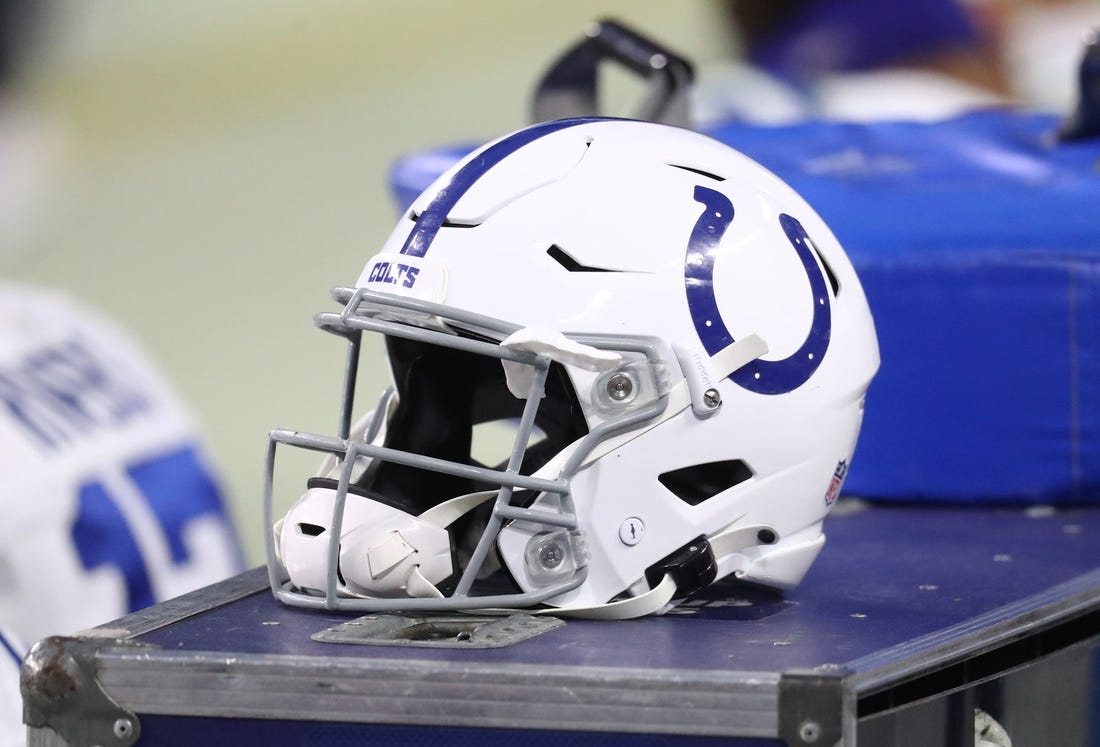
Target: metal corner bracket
(811, 706)
(61, 691)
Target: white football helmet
(678, 342)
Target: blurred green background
(209, 169)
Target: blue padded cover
(977, 240)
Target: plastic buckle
(692, 568)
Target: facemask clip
(552, 556)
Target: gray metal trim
(493, 695)
(975, 636)
(508, 695)
(61, 691)
(145, 621)
(182, 607)
(44, 737)
(1046, 700)
(812, 706)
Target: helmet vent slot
(448, 222)
(829, 274)
(700, 482)
(310, 530)
(700, 172)
(560, 256)
(491, 443)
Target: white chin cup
(384, 551)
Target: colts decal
(760, 376)
(394, 273)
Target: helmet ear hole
(491, 442)
(699, 482)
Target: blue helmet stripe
(760, 376)
(432, 219)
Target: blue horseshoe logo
(760, 376)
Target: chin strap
(732, 540)
(737, 355)
(726, 542)
(654, 600)
(447, 512)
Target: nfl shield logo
(838, 480)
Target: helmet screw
(712, 399)
(809, 731)
(620, 387)
(123, 728)
(551, 555)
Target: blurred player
(12, 731)
(868, 60)
(109, 501)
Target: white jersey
(108, 501)
(12, 731)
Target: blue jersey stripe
(10, 648)
(432, 219)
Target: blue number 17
(177, 488)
